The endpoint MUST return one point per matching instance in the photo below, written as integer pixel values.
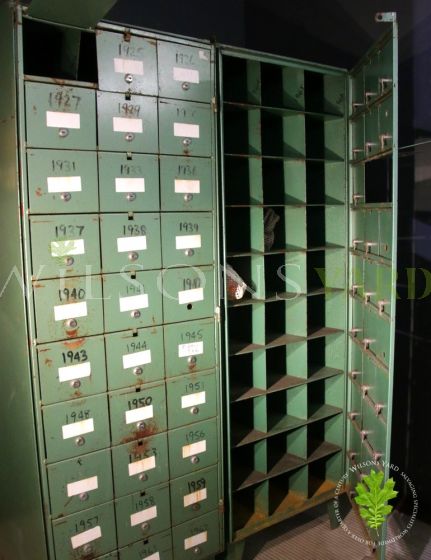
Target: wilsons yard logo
(373, 495)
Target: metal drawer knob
(87, 549)
(72, 323)
(140, 426)
(69, 261)
(196, 550)
(133, 256)
(128, 78)
(143, 477)
(145, 526)
(129, 137)
(196, 507)
(135, 314)
(75, 384)
(194, 410)
(189, 252)
(185, 86)
(80, 441)
(194, 460)
(83, 497)
(191, 360)
(187, 141)
(63, 132)
(66, 196)
(188, 197)
(131, 196)
(138, 371)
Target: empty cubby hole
(325, 397)
(247, 510)
(240, 375)
(324, 474)
(236, 180)
(272, 134)
(276, 367)
(325, 437)
(316, 313)
(287, 492)
(238, 237)
(243, 422)
(243, 459)
(241, 131)
(272, 85)
(275, 272)
(273, 181)
(378, 180)
(286, 451)
(240, 327)
(316, 226)
(275, 320)
(315, 138)
(240, 80)
(315, 182)
(64, 53)
(314, 92)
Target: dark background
(338, 32)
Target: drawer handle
(83, 497)
(128, 78)
(87, 549)
(187, 141)
(196, 507)
(196, 550)
(185, 86)
(75, 384)
(138, 371)
(63, 132)
(129, 136)
(135, 314)
(140, 426)
(66, 196)
(72, 323)
(68, 261)
(133, 256)
(188, 197)
(143, 477)
(191, 360)
(189, 252)
(80, 441)
(194, 410)
(145, 526)
(131, 196)
(194, 460)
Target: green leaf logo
(372, 498)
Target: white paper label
(137, 359)
(70, 311)
(129, 66)
(77, 371)
(138, 414)
(188, 242)
(143, 465)
(67, 247)
(155, 556)
(194, 399)
(187, 296)
(78, 428)
(195, 497)
(133, 184)
(204, 55)
(187, 186)
(58, 119)
(142, 516)
(200, 538)
(190, 349)
(186, 75)
(138, 243)
(84, 485)
(121, 124)
(64, 184)
(194, 448)
(186, 130)
(133, 302)
(87, 536)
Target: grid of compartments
(284, 160)
(120, 200)
(372, 298)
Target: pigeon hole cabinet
(144, 414)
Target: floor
(310, 537)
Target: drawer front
(71, 369)
(186, 183)
(189, 347)
(60, 117)
(184, 72)
(65, 245)
(188, 293)
(134, 357)
(127, 125)
(185, 128)
(137, 414)
(191, 398)
(132, 303)
(199, 538)
(62, 182)
(68, 308)
(80, 483)
(187, 239)
(385, 233)
(194, 494)
(142, 514)
(372, 142)
(128, 183)
(193, 448)
(157, 547)
(140, 464)
(86, 534)
(372, 232)
(126, 65)
(75, 427)
(130, 242)
(386, 123)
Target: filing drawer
(134, 357)
(127, 125)
(75, 427)
(193, 447)
(128, 182)
(86, 534)
(126, 63)
(60, 117)
(185, 128)
(65, 245)
(140, 464)
(60, 181)
(187, 239)
(191, 398)
(385, 234)
(372, 143)
(142, 514)
(130, 303)
(199, 538)
(156, 547)
(194, 494)
(130, 242)
(186, 183)
(68, 308)
(188, 293)
(80, 483)
(184, 72)
(71, 369)
(386, 119)
(136, 414)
